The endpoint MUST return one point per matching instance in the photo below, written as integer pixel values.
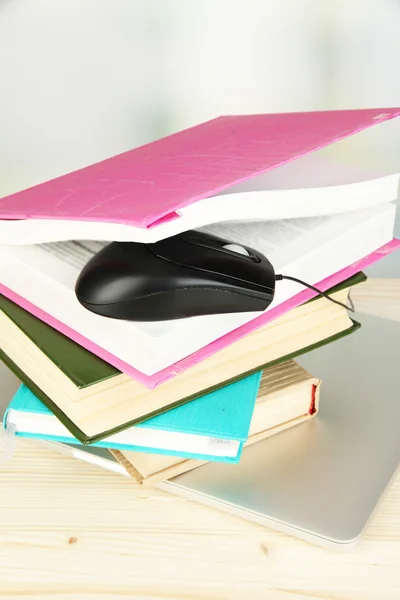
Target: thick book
(94, 400)
(214, 427)
(348, 222)
(288, 395)
(188, 179)
(42, 279)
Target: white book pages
(309, 249)
(263, 198)
(133, 438)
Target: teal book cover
(213, 427)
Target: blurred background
(84, 79)
(81, 80)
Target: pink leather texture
(149, 184)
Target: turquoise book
(213, 427)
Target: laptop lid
(322, 480)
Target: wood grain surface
(70, 530)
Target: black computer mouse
(188, 275)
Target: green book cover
(84, 439)
(82, 367)
(85, 369)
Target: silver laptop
(321, 481)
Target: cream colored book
(94, 405)
(311, 249)
(288, 395)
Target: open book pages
(263, 167)
(287, 396)
(266, 197)
(309, 249)
(120, 401)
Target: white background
(81, 80)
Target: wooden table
(70, 530)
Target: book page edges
(77, 431)
(187, 465)
(101, 433)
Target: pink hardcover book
(152, 381)
(183, 181)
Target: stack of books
(155, 399)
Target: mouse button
(204, 252)
(220, 266)
(102, 285)
(130, 251)
(236, 248)
(220, 245)
(122, 256)
(115, 274)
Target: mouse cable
(319, 292)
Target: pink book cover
(148, 185)
(152, 381)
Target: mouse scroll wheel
(236, 248)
